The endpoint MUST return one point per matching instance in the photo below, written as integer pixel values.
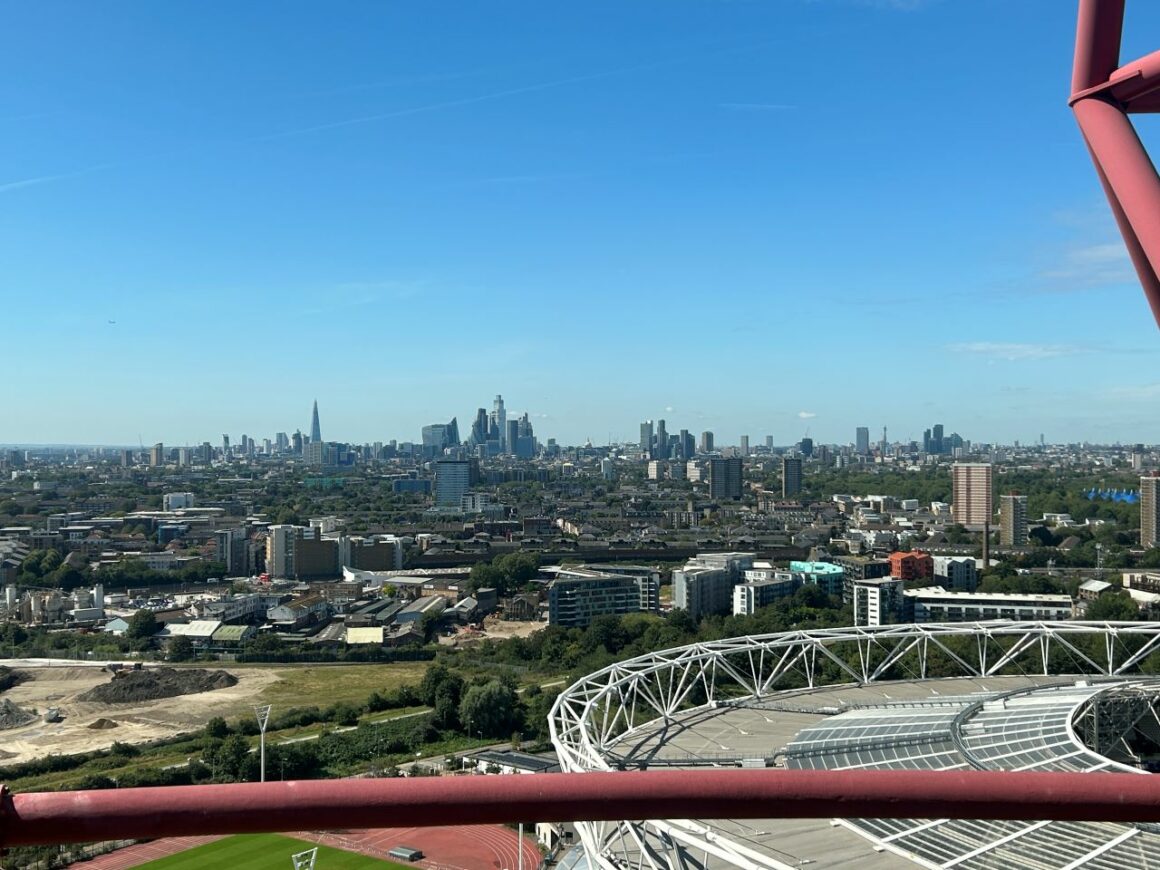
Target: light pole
(263, 714)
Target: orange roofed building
(915, 565)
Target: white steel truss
(599, 710)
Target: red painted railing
(80, 816)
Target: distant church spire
(315, 430)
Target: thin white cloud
(29, 182)
(756, 107)
(806, 415)
(6, 187)
(1135, 392)
(897, 5)
(1015, 351)
(364, 292)
(1090, 266)
(402, 80)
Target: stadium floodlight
(305, 860)
(263, 714)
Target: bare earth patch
(137, 722)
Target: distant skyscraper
(725, 478)
(662, 451)
(1149, 511)
(972, 498)
(769, 443)
(646, 437)
(525, 446)
(936, 439)
(706, 442)
(511, 436)
(499, 419)
(1012, 520)
(807, 446)
(157, 454)
(315, 429)
(862, 440)
(480, 428)
(225, 446)
(744, 445)
(440, 436)
(791, 476)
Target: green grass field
(302, 686)
(262, 851)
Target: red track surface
(464, 847)
(143, 853)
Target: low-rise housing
(936, 604)
(298, 613)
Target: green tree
(1113, 607)
(491, 710)
(447, 699)
(142, 625)
(434, 677)
(266, 642)
(50, 562)
(181, 649)
(227, 757)
(429, 625)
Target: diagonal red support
(1103, 93)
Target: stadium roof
(1022, 730)
(859, 698)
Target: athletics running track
(461, 847)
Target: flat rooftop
(759, 733)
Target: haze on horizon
(750, 218)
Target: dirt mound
(130, 687)
(102, 724)
(10, 678)
(12, 716)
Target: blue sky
(750, 217)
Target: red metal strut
(1103, 94)
(81, 816)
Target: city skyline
(420, 214)
(935, 438)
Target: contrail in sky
(414, 110)
(47, 179)
(497, 95)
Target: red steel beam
(1097, 43)
(1103, 93)
(82, 816)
